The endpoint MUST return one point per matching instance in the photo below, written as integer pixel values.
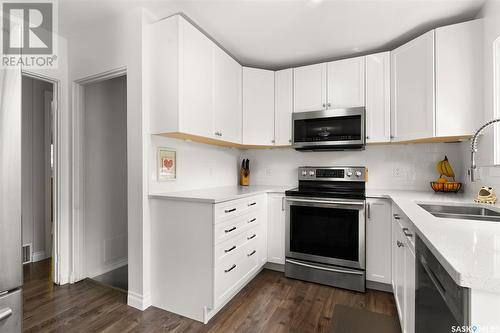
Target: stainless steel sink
(463, 212)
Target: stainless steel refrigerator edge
(10, 201)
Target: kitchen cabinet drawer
(233, 274)
(239, 207)
(233, 227)
(231, 248)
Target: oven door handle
(329, 202)
(336, 270)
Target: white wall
(198, 165)
(106, 45)
(105, 161)
(34, 166)
(404, 167)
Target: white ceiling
(277, 34)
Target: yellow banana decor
(444, 168)
(442, 184)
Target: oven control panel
(357, 174)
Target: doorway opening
(37, 175)
(104, 180)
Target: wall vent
(27, 254)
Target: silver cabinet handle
(368, 211)
(251, 237)
(229, 230)
(273, 141)
(229, 210)
(5, 313)
(399, 244)
(283, 204)
(407, 233)
(289, 140)
(392, 136)
(230, 249)
(252, 220)
(367, 137)
(251, 204)
(230, 269)
(324, 105)
(251, 253)
(397, 217)
(329, 104)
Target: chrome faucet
(473, 167)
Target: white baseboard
(38, 256)
(108, 267)
(138, 301)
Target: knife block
(244, 178)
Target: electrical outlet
(397, 172)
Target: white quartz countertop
(219, 194)
(468, 250)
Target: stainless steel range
(325, 227)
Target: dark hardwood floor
(269, 303)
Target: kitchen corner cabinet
(276, 229)
(378, 240)
(193, 86)
(258, 106)
(378, 97)
(403, 270)
(413, 89)
(283, 107)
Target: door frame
(78, 269)
(58, 155)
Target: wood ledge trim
(227, 144)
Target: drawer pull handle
(230, 269)
(229, 210)
(251, 237)
(252, 220)
(251, 253)
(229, 230)
(252, 204)
(399, 244)
(5, 313)
(397, 217)
(407, 233)
(230, 249)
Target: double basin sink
(462, 212)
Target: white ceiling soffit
(278, 34)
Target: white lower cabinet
(202, 254)
(378, 240)
(276, 229)
(403, 270)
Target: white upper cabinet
(309, 88)
(459, 78)
(346, 83)
(258, 106)
(378, 97)
(283, 106)
(413, 89)
(227, 97)
(378, 240)
(196, 77)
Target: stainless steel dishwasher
(439, 302)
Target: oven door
(327, 231)
(329, 129)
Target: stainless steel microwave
(337, 129)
